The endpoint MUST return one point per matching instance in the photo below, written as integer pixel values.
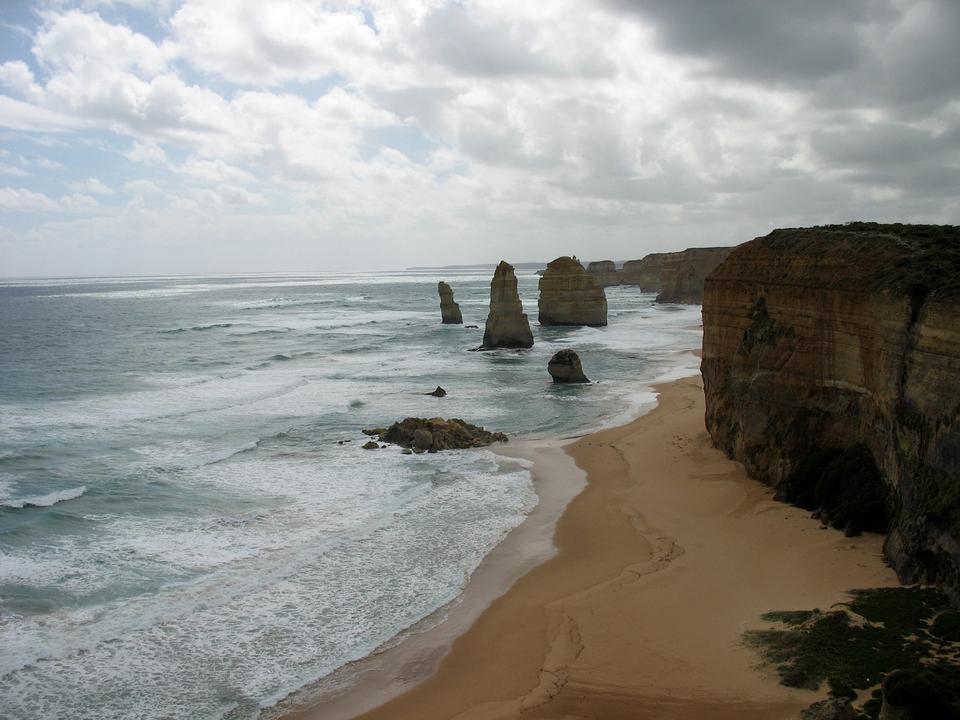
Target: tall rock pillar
(449, 310)
(507, 325)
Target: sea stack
(507, 325)
(569, 295)
(605, 273)
(682, 274)
(830, 365)
(644, 272)
(449, 310)
(565, 367)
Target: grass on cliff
(931, 264)
(857, 645)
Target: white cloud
(146, 153)
(91, 186)
(213, 171)
(23, 200)
(17, 78)
(77, 202)
(513, 127)
(44, 163)
(86, 44)
(19, 115)
(266, 43)
(14, 170)
(141, 187)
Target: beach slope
(666, 557)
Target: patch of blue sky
(407, 139)
(18, 21)
(75, 158)
(148, 20)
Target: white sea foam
(240, 547)
(47, 500)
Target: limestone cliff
(507, 325)
(644, 272)
(605, 273)
(570, 296)
(682, 274)
(831, 367)
(449, 310)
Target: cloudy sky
(195, 136)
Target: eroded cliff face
(644, 272)
(569, 295)
(605, 273)
(682, 274)
(831, 367)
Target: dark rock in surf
(420, 434)
(564, 367)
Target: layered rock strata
(644, 272)
(507, 325)
(831, 368)
(682, 274)
(449, 310)
(605, 273)
(565, 367)
(569, 295)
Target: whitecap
(45, 500)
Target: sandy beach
(661, 562)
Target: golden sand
(664, 559)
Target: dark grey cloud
(762, 39)
(888, 53)
(879, 144)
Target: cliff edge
(831, 368)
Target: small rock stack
(449, 310)
(564, 367)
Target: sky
(146, 137)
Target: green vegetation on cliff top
(930, 262)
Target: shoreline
(409, 658)
(664, 559)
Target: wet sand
(664, 559)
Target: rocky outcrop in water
(570, 296)
(565, 367)
(644, 272)
(682, 274)
(449, 310)
(605, 273)
(436, 434)
(507, 325)
(831, 360)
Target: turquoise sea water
(188, 526)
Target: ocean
(189, 527)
